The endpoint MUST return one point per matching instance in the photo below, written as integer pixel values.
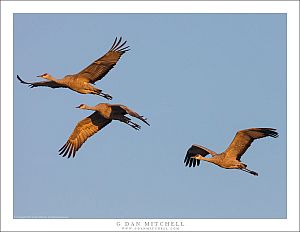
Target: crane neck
(90, 108)
(51, 78)
(203, 158)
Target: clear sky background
(198, 78)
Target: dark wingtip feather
(63, 147)
(24, 82)
(120, 46)
(117, 47)
(70, 151)
(117, 44)
(185, 160)
(65, 153)
(189, 161)
(270, 132)
(125, 49)
(194, 162)
(113, 44)
(273, 134)
(66, 149)
(74, 152)
(20, 79)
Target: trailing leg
(249, 171)
(134, 125)
(100, 93)
(128, 122)
(105, 95)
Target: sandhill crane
(81, 82)
(230, 158)
(103, 115)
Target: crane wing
(83, 130)
(100, 67)
(50, 84)
(243, 139)
(125, 110)
(196, 150)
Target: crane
(81, 82)
(230, 158)
(103, 115)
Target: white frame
(8, 8)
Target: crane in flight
(81, 82)
(103, 115)
(231, 157)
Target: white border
(7, 10)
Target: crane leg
(249, 171)
(128, 122)
(134, 125)
(100, 93)
(105, 95)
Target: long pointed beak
(39, 76)
(77, 107)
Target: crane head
(197, 157)
(45, 75)
(81, 106)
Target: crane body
(103, 115)
(82, 81)
(230, 158)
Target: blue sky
(198, 78)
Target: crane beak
(77, 107)
(39, 76)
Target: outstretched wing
(196, 150)
(83, 130)
(50, 84)
(125, 110)
(243, 139)
(100, 67)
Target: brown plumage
(230, 158)
(81, 82)
(103, 115)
